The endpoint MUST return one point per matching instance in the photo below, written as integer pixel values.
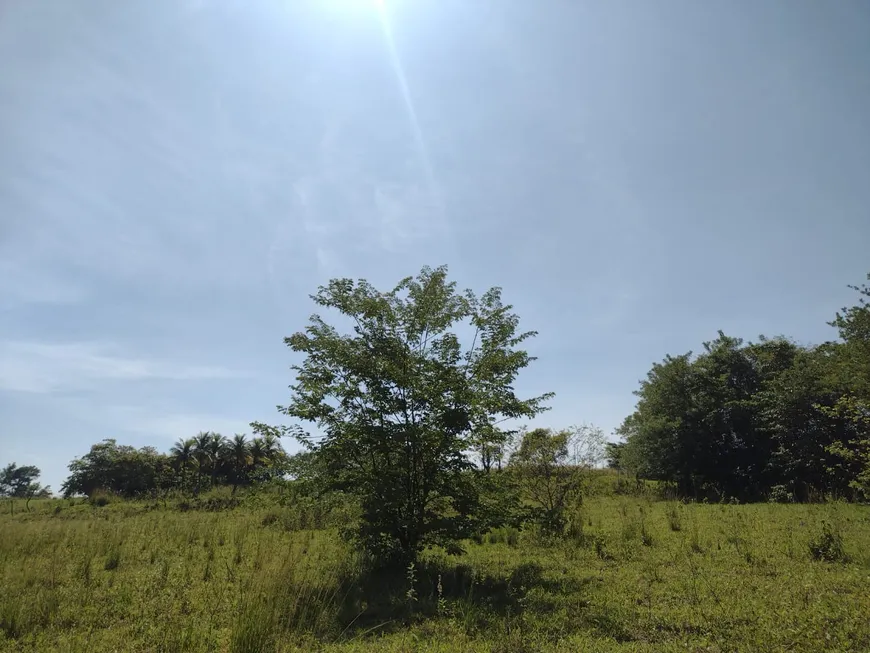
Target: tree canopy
(741, 418)
(192, 464)
(21, 482)
(402, 402)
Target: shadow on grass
(340, 603)
(386, 599)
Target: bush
(100, 498)
(675, 520)
(600, 545)
(507, 535)
(780, 494)
(270, 518)
(828, 545)
(113, 560)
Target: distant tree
(491, 444)
(613, 454)
(121, 469)
(660, 436)
(269, 457)
(202, 444)
(852, 376)
(215, 448)
(21, 482)
(237, 452)
(700, 422)
(259, 456)
(550, 467)
(793, 411)
(182, 455)
(399, 401)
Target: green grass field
(633, 575)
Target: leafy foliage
(740, 419)
(21, 482)
(191, 464)
(550, 466)
(122, 469)
(401, 402)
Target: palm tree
(273, 451)
(271, 445)
(238, 453)
(215, 447)
(182, 452)
(201, 444)
(258, 455)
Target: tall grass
(631, 574)
(302, 595)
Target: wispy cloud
(43, 367)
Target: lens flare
(420, 142)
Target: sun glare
(357, 5)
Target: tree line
(754, 420)
(191, 465)
(414, 404)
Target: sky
(177, 177)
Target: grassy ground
(634, 575)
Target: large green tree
(202, 453)
(121, 469)
(21, 482)
(852, 376)
(237, 455)
(182, 456)
(714, 421)
(401, 402)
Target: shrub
(270, 518)
(601, 548)
(675, 521)
(828, 545)
(113, 560)
(100, 498)
(645, 536)
(780, 494)
(506, 535)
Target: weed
(506, 535)
(100, 499)
(827, 546)
(270, 518)
(113, 559)
(780, 494)
(84, 571)
(675, 519)
(600, 545)
(695, 539)
(10, 618)
(646, 536)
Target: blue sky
(176, 177)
